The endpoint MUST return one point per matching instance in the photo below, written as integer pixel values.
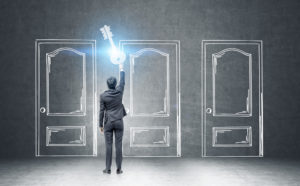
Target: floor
(151, 172)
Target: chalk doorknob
(208, 110)
(127, 110)
(42, 109)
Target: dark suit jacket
(111, 107)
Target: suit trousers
(116, 127)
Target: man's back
(111, 107)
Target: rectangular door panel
(66, 82)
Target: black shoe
(106, 171)
(119, 171)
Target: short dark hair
(111, 82)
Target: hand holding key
(121, 66)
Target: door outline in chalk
(176, 44)
(66, 45)
(207, 111)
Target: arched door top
(222, 52)
(57, 51)
(142, 51)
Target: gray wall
(275, 22)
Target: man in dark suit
(112, 111)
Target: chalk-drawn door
(152, 127)
(65, 98)
(232, 98)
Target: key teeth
(106, 32)
(102, 30)
(103, 33)
(109, 33)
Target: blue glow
(116, 56)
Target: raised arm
(122, 79)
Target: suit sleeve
(122, 81)
(101, 114)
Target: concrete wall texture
(274, 22)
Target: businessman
(111, 114)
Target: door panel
(232, 83)
(149, 137)
(66, 136)
(66, 82)
(144, 65)
(232, 98)
(65, 98)
(152, 127)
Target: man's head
(111, 82)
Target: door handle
(42, 109)
(127, 110)
(208, 110)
